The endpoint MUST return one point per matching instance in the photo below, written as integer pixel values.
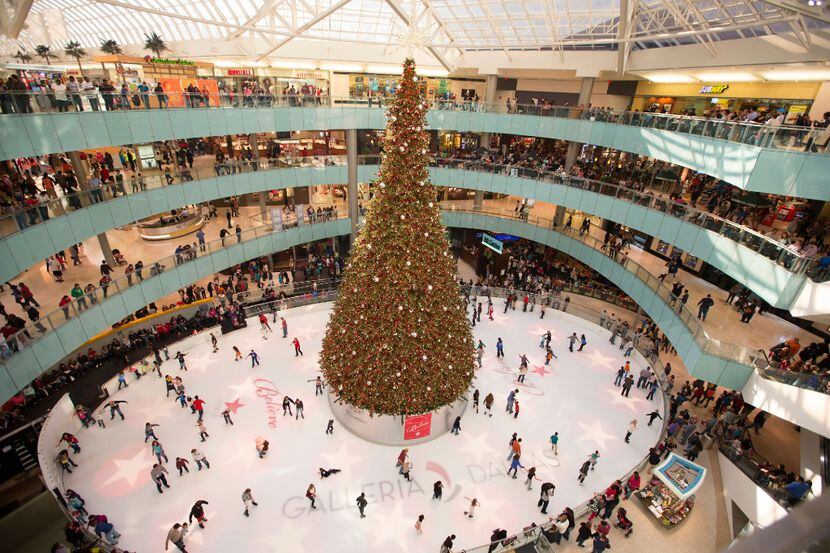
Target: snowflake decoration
(413, 36)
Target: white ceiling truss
(259, 29)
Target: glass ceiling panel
(463, 24)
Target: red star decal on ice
(234, 405)
(541, 370)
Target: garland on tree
(398, 341)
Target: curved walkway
(777, 167)
(766, 267)
(66, 329)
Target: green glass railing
(776, 137)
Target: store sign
(713, 88)
(166, 61)
(309, 75)
(243, 72)
(490, 242)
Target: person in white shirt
(91, 94)
(73, 87)
(59, 92)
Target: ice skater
(248, 500)
(474, 504)
(515, 465)
(284, 327)
(65, 460)
(176, 536)
(499, 348)
(311, 494)
(318, 386)
(511, 398)
(476, 395)
(456, 426)
(297, 350)
(198, 406)
(261, 447)
(237, 355)
(531, 476)
(325, 473)
(254, 358)
(157, 473)
(583, 471)
(653, 415)
(71, 441)
(263, 323)
(554, 443)
(180, 356)
(226, 416)
(115, 407)
(402, 457)
(594, 457)
(582, 342)
(632, 426)
(286, 406)
(419, 525)
(572, 339)
(158, 451)
(298, 406)
(200, 458)
(361, 504)
(149, 433)
(214, 342)
(202, 430)
(330, 427)
(181, 465)
(437, 490)
(488, 404)
(198, 512)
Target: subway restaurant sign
(490, 242)
(713, 88)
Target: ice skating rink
(575, 396)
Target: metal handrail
(784, 136)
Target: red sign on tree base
(417, 426)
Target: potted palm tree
(155, 44)
(111, 47)
(73, 49)
(23, 56)
(44, 52)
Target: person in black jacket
(198, 512)
(361, 503)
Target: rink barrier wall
(779, 171)
(20, 369)
(778, 281)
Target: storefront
(699, 98)
(669, 496)
(174, 75)
(362, 85)
(31, 74)
(274, 81)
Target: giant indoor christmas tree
(398, 341)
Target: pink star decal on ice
(541, 370)
(234, 405)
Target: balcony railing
(21, 219)
(776, 137)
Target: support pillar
(106, 249)
(351, 190)
(79, 168)
(254, 143)
(585, 90)
(490, 89)
(263, 206)
(229, 145)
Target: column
(351, 190)
(584, 99)
(490, 89)
(254, 143)
(106, 249)
(585, 90)
(263, 206)
(80, 174)
(229, 145)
